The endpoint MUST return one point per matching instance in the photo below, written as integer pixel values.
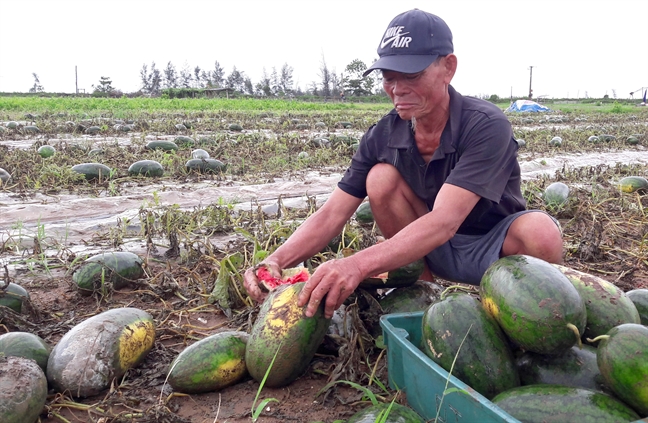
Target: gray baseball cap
(412, 41)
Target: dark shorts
(465, 258)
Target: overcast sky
(576, 48)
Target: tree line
(273, 83)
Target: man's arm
(309, 238)
(337, 279)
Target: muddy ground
(46, 232)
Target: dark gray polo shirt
(477, 152)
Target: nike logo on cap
(395, 35)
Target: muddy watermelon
(403, 276)
(409, 299)
(640, 299)
(535, 304)
(210, 364)
(23, 390)
(633, 183)
(622, 357)
(606, 304)
(556, 194)
(116, 268)
(205, 165)
(13, 297)
(4, 176)
(99, 350)
(282, 330)
(162, 145)
(363, 213)
(146, 168)
(576, 367)
(386, 413)
(562, 404)
(93, 171)
(26, 345)
(458, 332)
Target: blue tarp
(527, 106)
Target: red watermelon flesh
(288, 277)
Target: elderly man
(441, 174)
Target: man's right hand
(251, 282)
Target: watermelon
(556, 141)
(92, 130)
(409, 299)
(576, 367)
(26, 345)
(4, 176)
(386, 413)
(146, 168)
(235, 127)
(184, 141)
(397, 278)
(606, 304)
(23, 390)
(633, 183)
(622, 358)
(458, 331)
(364, 214)
(199, 153)
(288, 277)
(535, 304)
(13, 297)
(93, 170)
(210, 364)
(99, 350)
(205, 165)
(46, 151)
(640, 299)
(562, 404)
(162, 145)
(282, 332)
(556, 194)
(115, 267)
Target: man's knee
(383, 178)
(536, 234)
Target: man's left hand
(333, 281)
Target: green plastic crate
(424, 381)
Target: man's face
(419, 94)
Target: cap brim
(402, 63)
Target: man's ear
(450, 65)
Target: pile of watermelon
(545, 342)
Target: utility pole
(530, 80)
(76, 80)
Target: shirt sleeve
(354, 180)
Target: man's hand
(251, 282)
(334, 280)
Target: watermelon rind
(99, 350)
(461, 337)
(561, 404)
(386, 413)
(606, 304)
(640, 299)
(622, 358)
(23, 390)
(282, 330)
(534, 303)
(26, 345)
(210, 364)
(118, 268)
